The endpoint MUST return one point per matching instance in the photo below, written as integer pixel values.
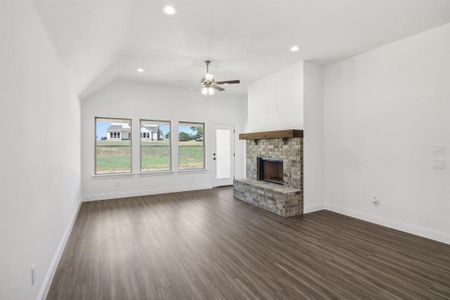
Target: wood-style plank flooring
(207, 245)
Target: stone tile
(285, 200)
(280, 200)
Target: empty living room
(224, 149)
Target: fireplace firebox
(269, 169)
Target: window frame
(204, 146)
(95, 147)
(170, 147)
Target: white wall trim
(398, 225)
(42, 295)
(109, 196)
(312, 208)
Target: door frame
(225, 181)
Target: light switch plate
(438, 149)
(438, 164)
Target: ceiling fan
(210, 85)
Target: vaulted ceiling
(101, 41)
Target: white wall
(384, 110)
(313, 136)
(139, 101)
(275, 102)
(40, 178)
(244, 114)
(293, 98)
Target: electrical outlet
(33, 274)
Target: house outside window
(156, 153)
(112, 146)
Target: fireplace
(269, 169)
(274, 172)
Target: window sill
(156, 173)
(193, 171)
(113, 175)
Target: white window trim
(131, 172)
(140, 148)
(178, 148)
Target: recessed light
(295, 48)
(169, 10)
(140, 70)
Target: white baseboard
(108, 196)
(402, 226)
(42, 295)
(309, 208)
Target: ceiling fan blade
(218, 88)
(193, 89)
(229, 82)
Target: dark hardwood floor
(207, 245)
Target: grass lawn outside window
(113, 146)
(191, 147)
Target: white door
(223, 155)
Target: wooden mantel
(277, 134)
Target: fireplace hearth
(270, 170)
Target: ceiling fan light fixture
(204, 91)
(209, 77)
(211, 91)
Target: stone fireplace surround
(285, 200)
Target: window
(191, 151)
(155, 146)
(112, 145)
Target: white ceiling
(100, 41)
